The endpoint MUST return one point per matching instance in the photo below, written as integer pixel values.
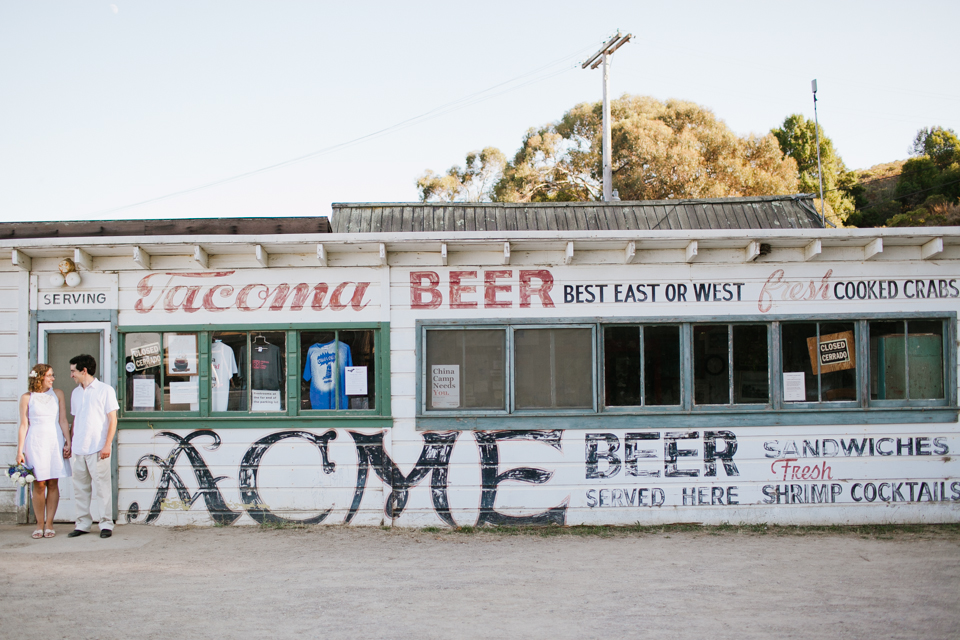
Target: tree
(798, 140)
(927, 190)
(472, 183)
(939, 144)
(672, 149)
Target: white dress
(43, 446)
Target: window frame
(594, 374)
(948, 337)
(291, 415)
(861, 372)
(728, 406)
(423, 384)
(687, 413)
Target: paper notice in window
(355, 381)
(184, 393)
(265, 400)
(794, 387)
(445, 386)
(144, 390)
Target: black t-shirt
(266, 367)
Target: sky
(204, 109)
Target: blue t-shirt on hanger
(319, 372)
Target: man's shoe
(77, 532)
(106, 533)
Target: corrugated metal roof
(767, 212)
(178, 227)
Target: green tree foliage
(939, 144)
(798, 140)
(472, 183)
(927, 191)
(660, 150)
(672, 149)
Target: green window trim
(290, 417)
(776, 412)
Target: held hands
(66, 450)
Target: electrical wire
(460, 103)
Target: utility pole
(816, 126)
(602, 57)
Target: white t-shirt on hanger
(224, 367)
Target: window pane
(838, 381)
(621, 362)
(925, 359)
(888, 371)
(661, 365)
(227, 380)
(268, 370)
(711, 378)
(554, 368)
(361, 386)
(750, 370)
(466, 369)
(181, 382)
(796, 356)
(318, 385)
(142, 368)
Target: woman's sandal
(49, 533)
(36, 535)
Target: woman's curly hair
(35, 379)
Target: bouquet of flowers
(20, 474)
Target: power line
(454, 105)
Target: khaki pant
(88, 470)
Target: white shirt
(224, 364)
(90, 407)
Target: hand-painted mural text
(213, 291)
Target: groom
(94, 408)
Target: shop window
(248, 371)
(229, 373)
(819, 361)
(466, 369)
(730, 364)
(554, 368)
(162, 372)
(906, 360)
(641, 365)
(338, 370)
(509, 376)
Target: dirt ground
(684, 582)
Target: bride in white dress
(43, 442)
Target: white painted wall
(293, 485)
(14, 321)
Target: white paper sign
(182, 355)
(264, 400)
(355, 381)
(144, 393)
(445, 386)
(184, 393)
(794, 387)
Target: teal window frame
(292, 416)
(689, 414)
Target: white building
(573, 363)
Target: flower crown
(33, 374)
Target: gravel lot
(153, 582)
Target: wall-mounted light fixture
(68, 274)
